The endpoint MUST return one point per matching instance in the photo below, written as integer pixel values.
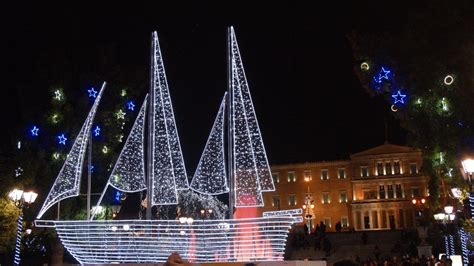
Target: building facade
(373, 190)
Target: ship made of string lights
(151, 160)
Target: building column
(397, 219)
(371, 221)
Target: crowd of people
(406, 260)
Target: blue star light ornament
(97, 131)
(383, 74)
(92, 93)
(131, 106)
(34, 131)
(399, 98)
(62, 139)
(118, 196)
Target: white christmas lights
(19, 230)
(465, 251)
(168, 171)
(364, 66)
(210, 177)
(128, 174)
(251, 169)
(93, 242)
(261, 160)
(120, 115)
(67, 183)
(58, 95)
(448, 80)
(283, 212)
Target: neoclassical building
(373, 190)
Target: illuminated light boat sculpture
(161, 173)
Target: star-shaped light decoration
(118, 195)
(97, 131)
(62, 139)
(383, 74)
(18, 171)
(91, 167)
(34, 131)
(92, 93)
(131, 106)
(56, 155)
(120, 114)
(399, 97)
(58, 95)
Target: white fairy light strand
(451, 245)
(168, 172)
(258, 148)
(247, 187)
(283, 212)
(128, 174)
(465, 251)
(210, 177)
(19, 232)
(67, 183)
(98, 242)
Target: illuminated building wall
(373, 190)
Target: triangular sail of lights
(67, 183)
(247, 133)
(128, 174)
(168, 172)
(210, 177)
(247, 187)
(261, 160)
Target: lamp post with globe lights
(22, 200)
(447, 218)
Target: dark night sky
(298, 63)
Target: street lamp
(22, 200)
(308, 207)
(447, 217)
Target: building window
(396, 167)
(398, 191)
(326, 199)
(343, 197)
(342, 173)
(292, 200)
(344, 222)
(370, 194)
(415, 192)
(276, 201)
(379, 168)
(364, 171)
(327, 222)
(413, 169)
(390, 191)
(291, 177)
(307, 175)
(324, 174)
(276, 178)
(388, 168)
(382, 192)
(366, 220)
